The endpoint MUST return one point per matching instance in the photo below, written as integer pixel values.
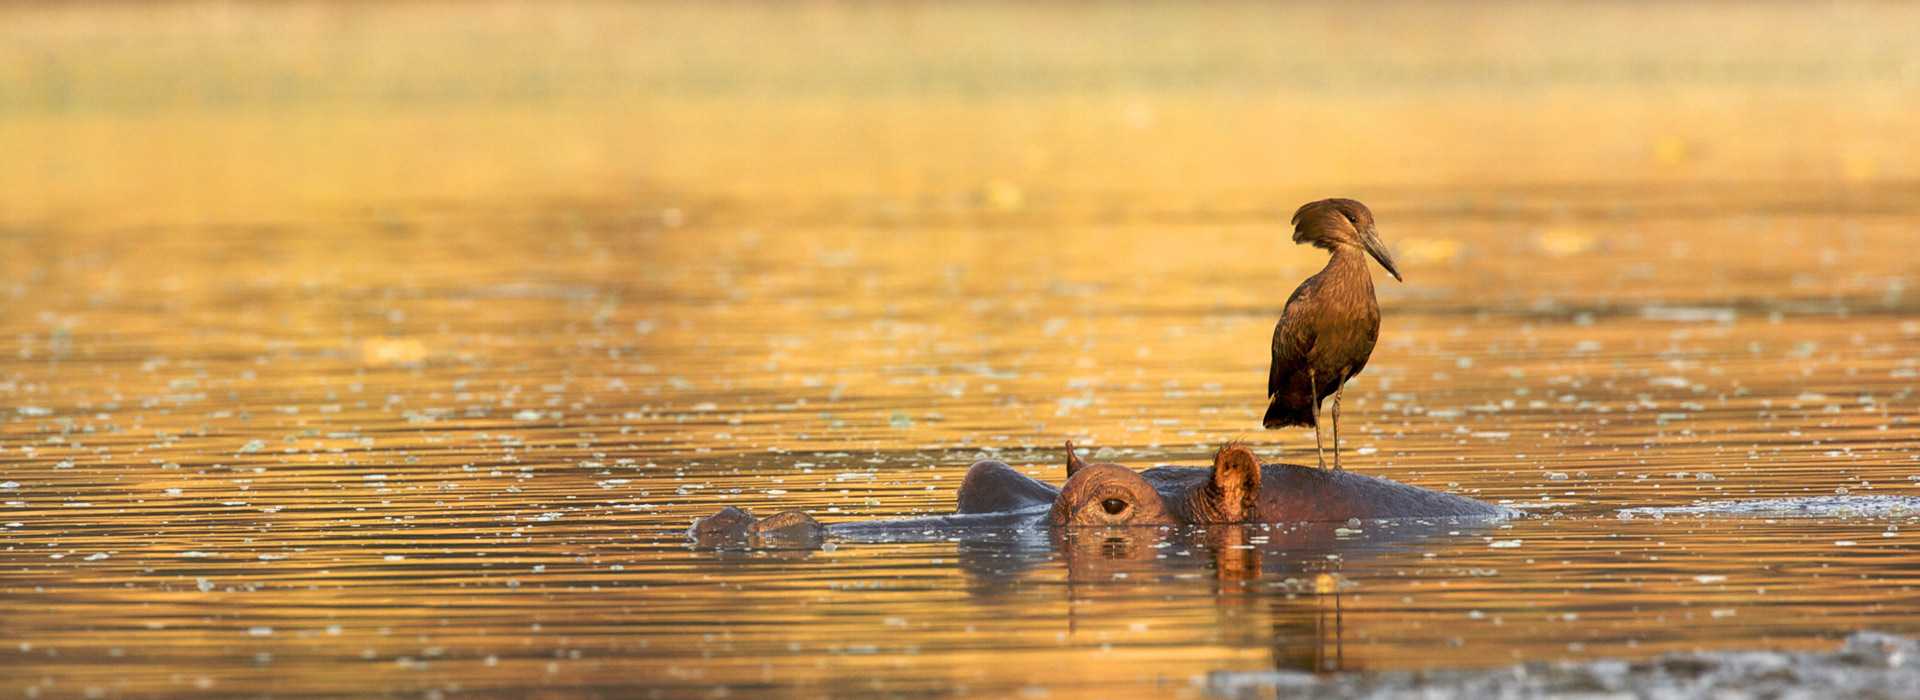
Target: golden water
(390, 350)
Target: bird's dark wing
(1373, 338)
(1293, 338)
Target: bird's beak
(1371, 239)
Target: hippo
(1236, 489)
(1239, 489)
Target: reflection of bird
(1330, 323)
(1307, 633)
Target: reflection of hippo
(1236, 489)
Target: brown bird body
(1331, 322)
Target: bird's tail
(1282, 413)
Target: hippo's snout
(734, 527)
(729, 524)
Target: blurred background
(389, 348)
(201, 111)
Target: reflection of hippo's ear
(1073, 460)
(1233, 558)
(1235, 488)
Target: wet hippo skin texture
(1235, 491)
(994, 487)
(1294, 493)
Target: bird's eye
(1113, 506)
(1349, 216)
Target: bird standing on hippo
(1330, 323)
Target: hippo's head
(1110, 494)
(1106, 494)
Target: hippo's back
(1293, 493)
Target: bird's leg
(1313, 393)
(1337, 390)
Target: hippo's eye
(1113, 506)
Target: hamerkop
(1330, 323)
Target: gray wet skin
(1236, 489)
(1239, 489)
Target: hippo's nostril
(1113, 506)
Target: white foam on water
(1801, 507)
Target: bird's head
(1332, 223)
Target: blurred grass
(192, 112)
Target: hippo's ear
(1073, 460)
(1235, 489)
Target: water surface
(353, 388)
